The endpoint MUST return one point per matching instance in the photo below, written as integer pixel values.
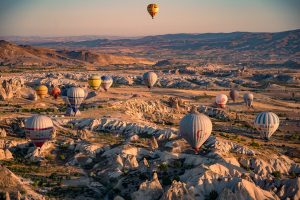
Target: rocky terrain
(125, 142)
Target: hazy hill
(12, 54)
(285, 42)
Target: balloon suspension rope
(196, 150)
(39, 150)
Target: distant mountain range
(287, 42)
(270, 48)
(13, 54)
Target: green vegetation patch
(277, 174)
(213, 195)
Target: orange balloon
(55, 92)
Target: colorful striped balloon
(94, 82)
(75, 96)
(221, 100)
(195, 128)
(106, 82)
(266, 123)
(150, 78)
(39, 129)
(41, 91)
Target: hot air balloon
(266, 123)
(106, 82)
(39, 129)
(221, 100)
(41, 91)
(152, 9)
(150, 78)
(195, 128)
(75, 97)
(94, 82)
(248, 99)
(234, 94)
(55, 92)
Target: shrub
(177, 163)
(69, 126)
(293, 174)
(243, 176)
(224, 135)
(176, 178)
(276, 174)
(213, 195)
(49, 157)
(294, 137)
(166, 180)
(25, 110)
(53, 176)
(254, 144)
(62, 157)
(163, 167)
(64, 146)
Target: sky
(130, 17)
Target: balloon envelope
(39, 129)
(152, 9)
(94, 82)
(150, 78)
(195, 128)
(41, 91)
(234, 95)
(106, 82)
(266, 123)
(55, 92)
(75, 97)
(248, 99)
(221, 100)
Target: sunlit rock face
(10, 88)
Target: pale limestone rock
(10, 183)
(5, 154)
(179, 190)
(119, 161)
(131, 162)
(246, 190)
(226, 147)
(37, 154)
(2, 132)
(144, 166)
(32, 96)
(10, 88)
(130, 150)
(175, 146)
(7, 196)
(149, 190)
(134, 138)
(153, 143)
(146, 163)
